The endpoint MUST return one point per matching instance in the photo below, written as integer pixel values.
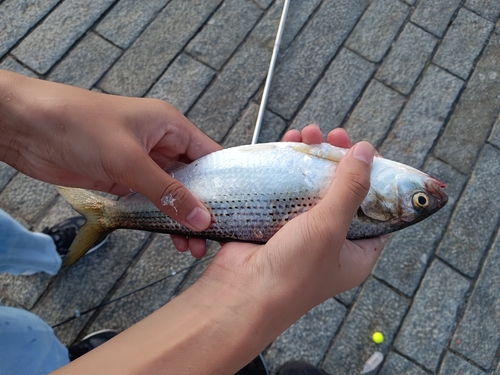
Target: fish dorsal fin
(322, 151)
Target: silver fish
(253, 191)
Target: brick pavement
(418, 78)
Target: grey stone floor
(420, 79)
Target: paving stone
(427, 328)
(12, 65)
(422, 118)
(489, 9)
(86, 63)
(397, 364)
(17, 17)
(224, 32)
(160, 263)
(308, 338)
(347, 297)
(146, 59)
(263, 3)
(221, 104)
(411, 248)
(494, 138)
(463, 43)
(50, 40)
(374, 114)
(475, 112)
(434, 15)
(376, 30)
(23, 290)
(6, 301)
(476, 337)
(407, 59)
(6, 174)
(128, 18)
(333, 20)
(242, 132)
(85, 284)
(298, 14)
(182, 83)
(475, 219)
(353, 344)
(453, 365)
(26, 198)
(336, 92)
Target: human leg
(27, 344)
(23, 251)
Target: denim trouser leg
(22, 251)
(28, 345)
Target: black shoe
(300, 368)
(65, 232)
(256, 367)
(90, 342)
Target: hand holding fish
(310, 134)
(73, 137)
(251, 293)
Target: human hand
(309, 260)
(73, 137)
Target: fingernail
(364, 151)
(199, 219)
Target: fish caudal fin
(91, 206)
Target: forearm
(203, 331)
(13, 115)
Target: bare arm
(69, 136)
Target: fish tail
(92, 207)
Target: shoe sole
(96, 333)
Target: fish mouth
(435, 188)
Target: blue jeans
(22, 251)
(27, 344)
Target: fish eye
(420, 201)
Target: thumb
(348, 188)
(170, 196)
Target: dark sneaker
(300, 368)
(90, 342)
(257, 367)
(65, 232)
